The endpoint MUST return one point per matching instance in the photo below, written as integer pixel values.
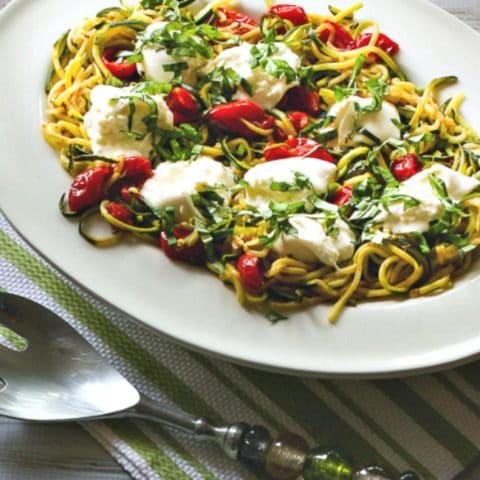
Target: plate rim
(381, 373)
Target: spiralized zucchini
(398, 265)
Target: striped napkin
(429, 423)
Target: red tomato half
(137, 167)
(236, 22)
(302, 99)
(120, 212)
(383, 42)
(405, 167)
(292, 13)
(87, 188)
(342, 195)
(193, 254)
(183, 106)
(250, 270)
(299, 121)
(336, 35)
(297, 147)
(229, 116)
(118, 66)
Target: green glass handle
(286, 456)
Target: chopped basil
(386, 175)
(152, 88)
(177, 70)
(274, 317)
(317, 126)
(351, 88)
(421, 242)
(343, 92)
(151, 4)
(330, 224)
(280, 68)
(262, 57)
(167, 216)
(300, 182)
(377, 88)
(364, 211)
(181, 38)
(357, 68)
(277, 219)
(180, 143)
(222, 84)
(394, 198)
(452, 211)
(150, 120)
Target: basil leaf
(222, 84)
(438, 186)
(274, 317)
(261, 56)
(357, 68)
(393, 198)
(421, 242)
(377, 88)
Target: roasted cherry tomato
(135, 171)
(383, 42)
(297, 147)
(405, 167)
(342, 195)
(292, 13)
(118, 66)
(183, 105)
(120, 212)
(337, 35)
(137, 167)
(299, 121)
(236, 22)
(126, 195)
(186, 253)
(229, 116)
(87, 188)
(250, 270)
(302, 99)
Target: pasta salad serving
(288, 154)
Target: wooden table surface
(57, 452)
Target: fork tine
(10, 315)
(30, 320)
(8, 359)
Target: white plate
(193, 307)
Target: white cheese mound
(267, 90)
(154, 59)
(417, 219)
(106, 123)
(311, 244)
(173, 183)
(259, 178)
(348, 121)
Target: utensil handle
(251, 446)
(152, 410)
(227, 437)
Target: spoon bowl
(58, 376)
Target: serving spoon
(52, 374)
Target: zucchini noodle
(385, 263)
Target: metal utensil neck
(228, 437)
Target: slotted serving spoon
(56, 376)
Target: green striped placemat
(429, 423)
